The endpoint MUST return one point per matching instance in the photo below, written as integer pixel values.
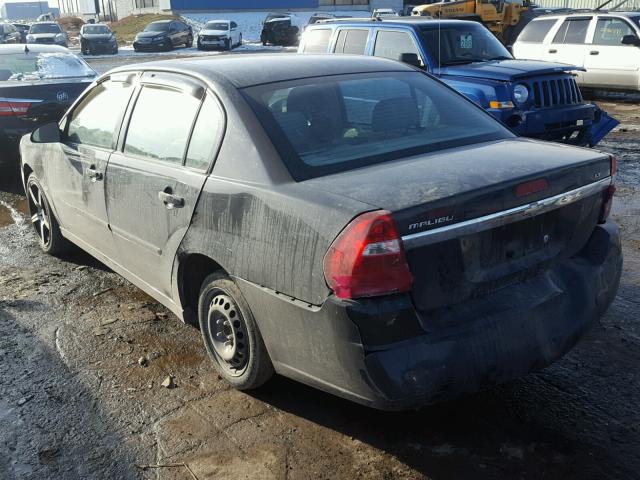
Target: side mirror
(47, 133)
(411, 59)
(630, 40)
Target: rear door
(352, 41)
(154, 180)
(569, 42)
(609, 62)
(530, 44)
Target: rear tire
(189, 42)
(231, 335)
(44, 221)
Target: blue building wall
(185, 5)
(27, 10)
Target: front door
(76, 171)
(568, 44)
(154, 181)
(609, 63)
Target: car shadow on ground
(59, 445)
(500, 433)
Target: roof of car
(45, 23)
(582, 13)
(162, 21)
(256, 69)
(33, 48)
(420, 21)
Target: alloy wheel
(40, 215)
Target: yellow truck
(504, 18)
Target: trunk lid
(432, 196)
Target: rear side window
(317, 41)
(393, 44)
(573, 30)
(330, 124)
(160, 124)
(609, 31)
(98, 115)
(206, 135)
(536, 31)
(352, 41)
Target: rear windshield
(95, 29)
(44, 28)
(216, 26)
(463, 43)
(27, 67)
(331, 124)
(157, 27)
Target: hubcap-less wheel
(40, 216)
(228, 334)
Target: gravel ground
(83, 354)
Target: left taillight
(14, 108)
(367, 259)
(608, 193)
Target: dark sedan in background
(9, 34)
(37, 85)
(97, 38)
(164, 35)
(347, 221)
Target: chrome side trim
(498, 219)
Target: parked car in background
(164, 35)
(222, 34)
(9, 34)
(23, 28)
(604, 45)
(536, 99)
(37, 85)
(47, 32)
(46, 17)
(346, 221)
(97, 38)
(281, 29)
(384, 13)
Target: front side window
(573, 30)
(157, 27)
(609, 31)
(331, 124)
(352, 41)
(393, 44)
(536, 31)
(317, 41)
(206, 135)
(98, 116)
(160, 124)
(463, 43)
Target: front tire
(231, 334)
(43, 220)
(189, 42)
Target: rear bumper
(587, 120)
(341, 347)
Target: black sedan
(9, 34)
(349, 222)
(37, 85)
(97, 38)
(164, 35)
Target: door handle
(553, 50)
(594, 52)
(93, 174)
(170, 201)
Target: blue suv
(535, 99)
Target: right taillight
(367, 259)
(607, 194)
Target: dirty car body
(395, 244)
(535, 99)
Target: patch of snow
(250, 23)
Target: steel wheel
(40, 214)
(228, 334)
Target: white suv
(605, 44)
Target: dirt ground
(83, 354)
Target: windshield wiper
(457, 62)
